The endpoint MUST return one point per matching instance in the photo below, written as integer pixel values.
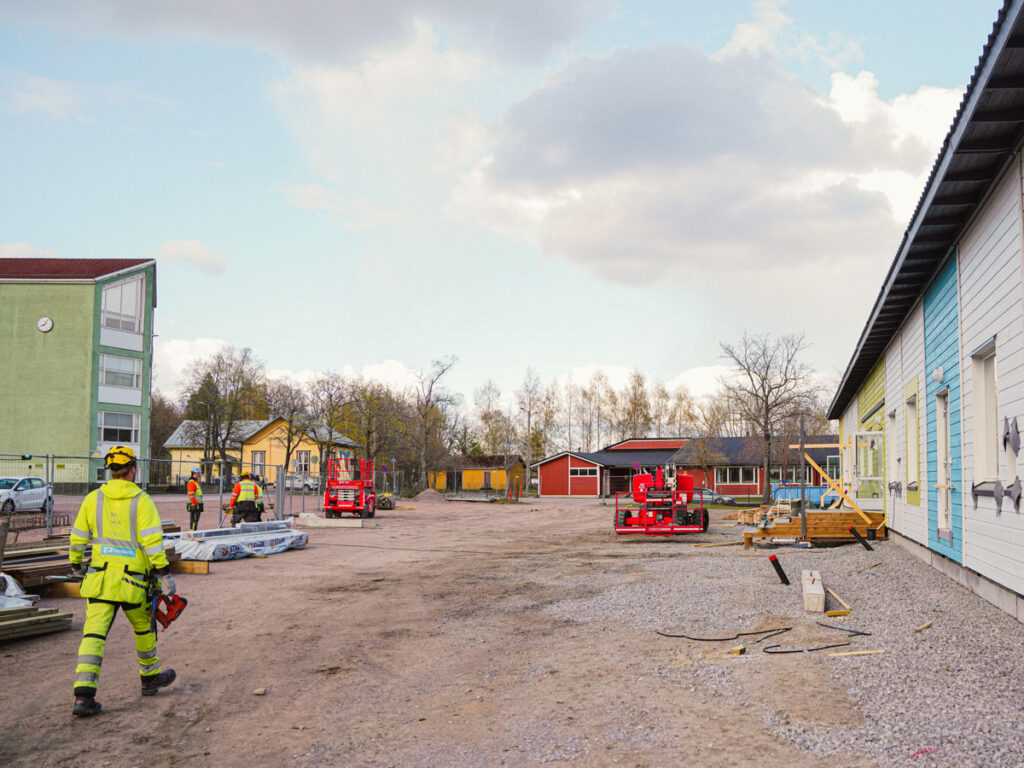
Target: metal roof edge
(994, 46)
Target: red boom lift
(661, 506)
(349, 488)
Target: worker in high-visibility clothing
(245, 500)
(194, 491)
(127, 539)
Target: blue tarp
(813, 493)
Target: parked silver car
(18, 494)
(712, 497)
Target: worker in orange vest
(245, 498)
(194, 491)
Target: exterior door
(868, 467)
(945, 461)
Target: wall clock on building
(45, 324)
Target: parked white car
(18, 494)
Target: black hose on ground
(772, 632)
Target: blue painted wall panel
(942, 348)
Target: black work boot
(153, 683)
(86, 706)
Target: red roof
(648, 443)
(64, 269)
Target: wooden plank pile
(32, 562)
(16, 623)
(824, 526)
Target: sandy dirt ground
(421, 642)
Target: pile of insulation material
(269, 538)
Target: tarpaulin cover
(234, 545)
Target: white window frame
(986, 413)
(101, 425)
(119, 312)
(944, 460)
(834, 467)
(912, 444)
(259, 462)
(105, 367)
(302, 462)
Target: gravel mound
(949, 695)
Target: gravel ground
(949, 695)
(463, 635)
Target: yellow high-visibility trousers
(99, 615)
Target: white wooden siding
(991, 304)
(915, 517)
(895, 456)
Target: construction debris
(856, 653)
(868, 567)
(719, 544)
(923, 627)
(739, 650)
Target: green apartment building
(77, 355)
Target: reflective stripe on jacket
(123, 525)
(246, 490)
(194, 491)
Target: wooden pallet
(16, 623)
(824, 526)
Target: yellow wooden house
(479, 473)
(259, 448)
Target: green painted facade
(46, 393)
(49, 382)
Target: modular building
(932, 401)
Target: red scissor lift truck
(349, 488)
(661, 506)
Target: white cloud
(195, 253)
(669, 164)
(392, 372)
(25, 251)
(701, 381)
(357, 215)
(171, 357)
(323, 31)
(367, 130)
(759, 35)
(27, 95)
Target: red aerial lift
(661, 506)
(349, 488)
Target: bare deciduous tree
(222, 391)
(328, 397)
(288, 400)
(529, 399)
(769, 384)
(430, 401)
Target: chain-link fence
(46, 491)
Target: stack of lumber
(16, 623)
(822, 527)
(30, 563)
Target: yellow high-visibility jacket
(246, 490)
(127, 538)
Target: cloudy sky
(565, 184)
